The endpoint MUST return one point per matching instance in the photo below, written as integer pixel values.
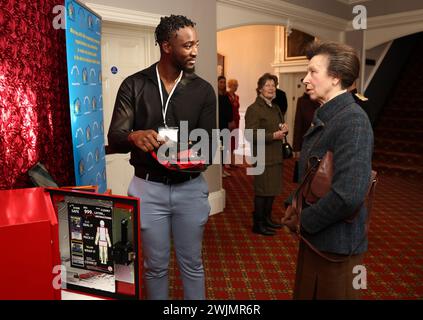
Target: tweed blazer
(341, 126)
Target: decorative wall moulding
(291, 11)
(115, 14)
(350, 2)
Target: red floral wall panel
(34, 113)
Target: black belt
(154, 177)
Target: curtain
(34, 112)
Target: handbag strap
(298, 197)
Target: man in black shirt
(172, 202)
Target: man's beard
(189, 70)
(182, 65)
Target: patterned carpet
(241, 265)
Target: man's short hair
(343, 60)
(169, 25)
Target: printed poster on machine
(90, 230)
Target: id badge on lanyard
(168, 134)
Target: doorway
(293, 87)
(126, 49)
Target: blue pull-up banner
(83, 50)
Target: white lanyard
(164, 111)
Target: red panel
(125, 288)
(140, 253)
(55, 257)
(29, 245)
(26, 268)
(24, 206)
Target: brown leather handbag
(320, 179)
(316, 184)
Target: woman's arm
(352, 150)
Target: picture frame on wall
(220, 65)
(296, 42)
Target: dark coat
(225, 111)
(303, 117)
(281, 100)
(341, 126)
(259, 115)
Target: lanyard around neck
(164, 110)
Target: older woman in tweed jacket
(266, 115)
(341, 126)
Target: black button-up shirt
(138, 107)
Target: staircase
(399, 130)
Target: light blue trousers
(181, 210)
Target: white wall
(202, 12)
(249, 52)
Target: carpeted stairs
(399, 131)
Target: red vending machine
(29, 246)
(54, 239)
